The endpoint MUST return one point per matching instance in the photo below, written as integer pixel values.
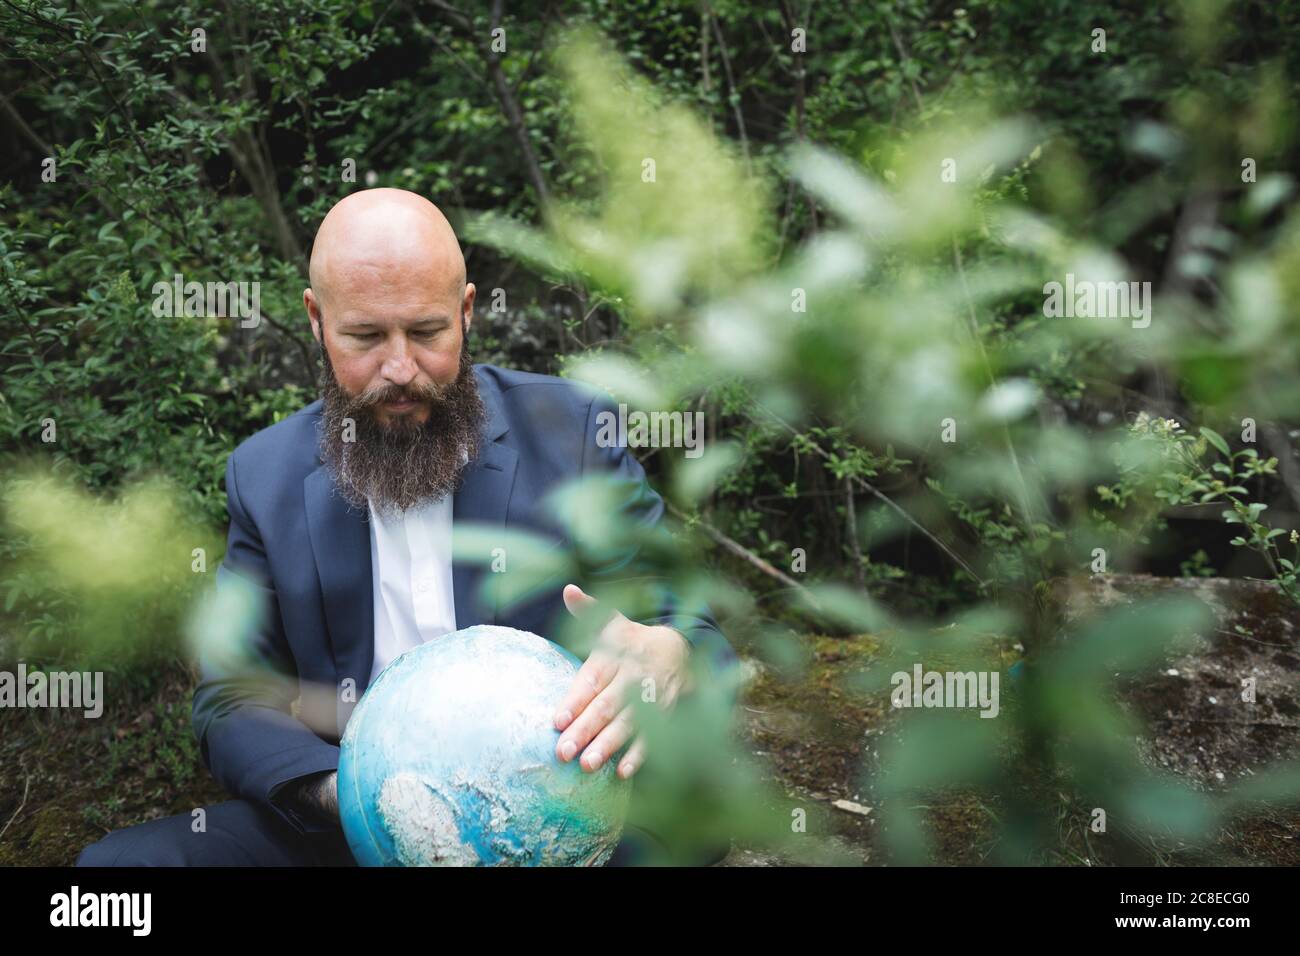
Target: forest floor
(819, 739)
(66, 781)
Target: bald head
(384, 235)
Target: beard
(403, 463)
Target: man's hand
(318, 797)
(595, 713)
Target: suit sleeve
(645, 508)
(247, 734)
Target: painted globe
(449, 760)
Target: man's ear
(312, 306)
(467, 309)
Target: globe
(449, 760)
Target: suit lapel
(340, 542)
(483, 499)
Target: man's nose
(399, 368)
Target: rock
(848, 806)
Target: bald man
(341, 518)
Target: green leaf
(1215, 439)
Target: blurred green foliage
(890, 346)
(99, 584)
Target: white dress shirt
(410, 560)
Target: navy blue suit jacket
(308, 554)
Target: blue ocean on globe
(449, 760)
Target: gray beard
(397, 466)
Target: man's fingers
(592, 678)
(582, 605)
(609, 741)
(577, 601)
(633, 759)
(593, 719)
